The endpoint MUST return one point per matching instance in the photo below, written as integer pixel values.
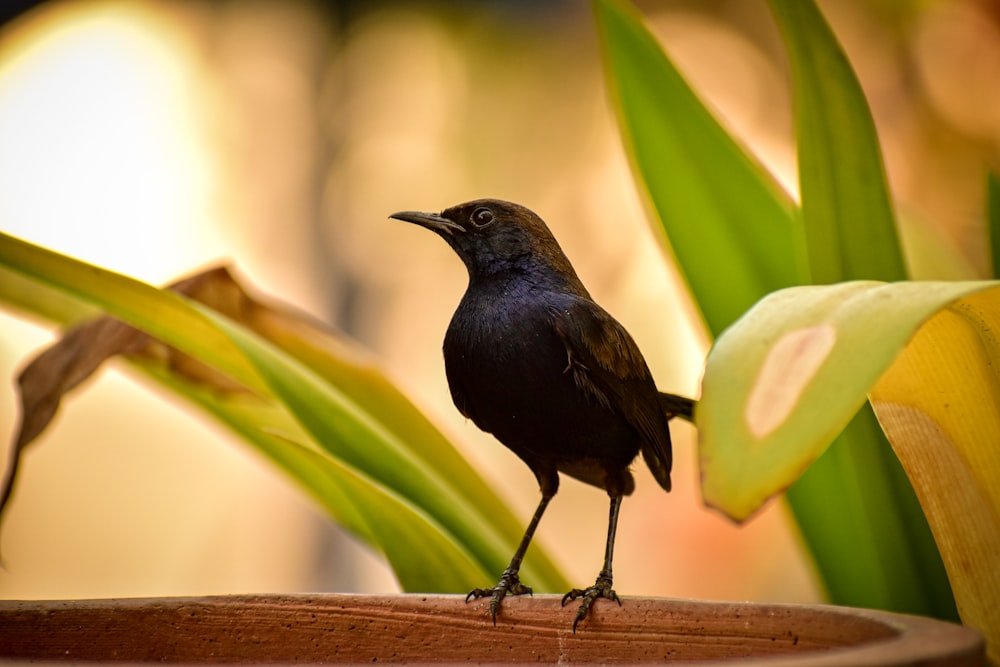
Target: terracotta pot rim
(339, 627)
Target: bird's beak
(431, 221)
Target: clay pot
(443, 628)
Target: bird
(531, 358)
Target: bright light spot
(101, 150)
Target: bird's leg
(602, 587)
(509, 582)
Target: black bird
(533, 360)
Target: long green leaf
(33, 299)
(732, 229)
(348, 433)
(162, 314)
(359, 378)
(270, 428)
(424, 555)
(659, 115)
(850, 228)
(344, 429)
(856, 541)
(851, 234)
(408, 537)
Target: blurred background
(155, 138)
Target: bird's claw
(600, 589)
(509, 584)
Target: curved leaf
(788, 376)
(939, 404)
(422, 554)
(343, 366)
(343, 427)
(847, 215)
(885, 559)
(160, 313)
(733, 230)
(346, 431)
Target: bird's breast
(509, 372)
(498, 337)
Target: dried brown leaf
(83, 350)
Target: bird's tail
(677, 406)
(658, 464)
(659, 459)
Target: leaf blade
(850, 233)
(731, 228)
(348, 433)
(407, 537)
(940, 405)
(847, 213)
(145, 306)
(358, 377)
(810, 401)
(159, 313)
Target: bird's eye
(482, 217)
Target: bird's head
(491, 236)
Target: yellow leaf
(939, 405)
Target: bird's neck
(527, 273)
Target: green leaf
(867, 555)
(733, 230)
(349, 444)
(787, 377)
(358, 377)
(850, 229)
(698, 180)
(34, 299)
(851, 234)
(346, 430)
(271, 429)
(408, 537)
(160, 313)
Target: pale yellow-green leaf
(784, 380)
(939, 405)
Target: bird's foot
(600, 589)
(509, 584)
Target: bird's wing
(606, 363)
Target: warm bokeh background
(155, 137)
